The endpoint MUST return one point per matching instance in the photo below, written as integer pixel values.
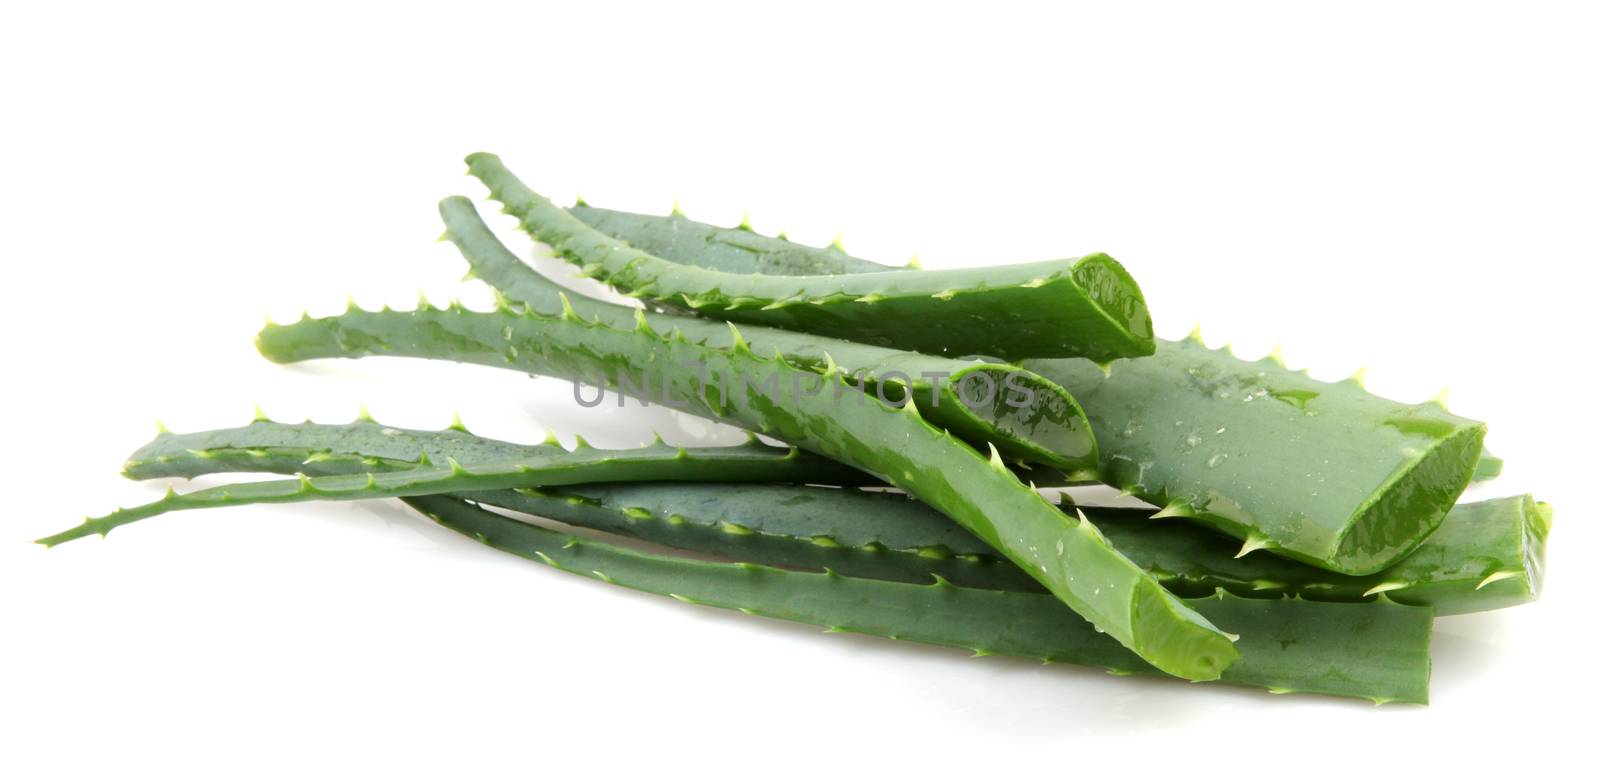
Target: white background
(1408, 187)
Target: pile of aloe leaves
(915, 441)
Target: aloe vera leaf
(366, 446)
(1027, 417)
(1324, 473)
(771, 396)
(584, 464)
(1377, 651)
(1086, 307)
(1486, 555)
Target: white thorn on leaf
(1253, 543)
(1384, 587)
(1496, 577)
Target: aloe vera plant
(1086, 307)
(1324, 473)
(771, 396)
(1377, 651)
(1027, 417)
(1353, 487)
(1486, 555)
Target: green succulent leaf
(1325, 473)
(1086, 307)
(448, 474)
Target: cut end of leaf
(1120, 302)
(1177, 639)
(1414, 499)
